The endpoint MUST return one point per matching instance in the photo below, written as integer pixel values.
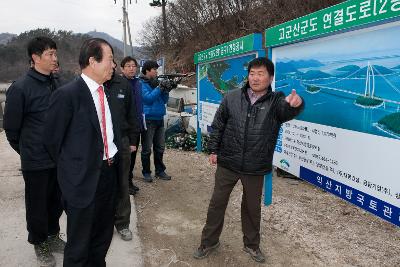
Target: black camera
(169, 82)
(167, 85)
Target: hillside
(14, 59)
(194, 26)
(5, 37)
(137, 52)
(315, 74)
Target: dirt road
(14, 249)
(303, 227)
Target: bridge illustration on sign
(366, 100)
(364, 96)
(370, 96)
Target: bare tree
(195, 25)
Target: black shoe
(56, 244)
(256, 255)
(147, 177)
(125, 234)
(132, 191)
(163, 176)
(44, 256)
(203, 251)
(134, 187)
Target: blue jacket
(153, 100)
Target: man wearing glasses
(129, 70)
(27, 103)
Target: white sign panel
(347, 140)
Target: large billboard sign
(220, 69)
(346, 15)
(347, 140)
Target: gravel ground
(304, 226)
(14, 248)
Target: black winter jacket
(27, 101)
(120, 89)
(243, 135)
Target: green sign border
(349, 14)
(235, 47)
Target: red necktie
(103, 119)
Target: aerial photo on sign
(352, 82)
(214, 80)
(217, 78)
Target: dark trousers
(225, 181)
(90, 229)
(42, 203)
(154, 137)
(123, 211)
(133, 159)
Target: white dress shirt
(93, 86)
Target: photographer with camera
(155, 96)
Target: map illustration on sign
(220, 69)
(350, 81)
(217, 78)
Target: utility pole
(164, 20)
(124, 25)
(162, 4)
(126, 28)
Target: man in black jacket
(26, 106)
(242, 142)
(120, 89)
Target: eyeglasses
(130, 66)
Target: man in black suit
(82, 136)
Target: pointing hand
(294, 99)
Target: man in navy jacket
(129, 70)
